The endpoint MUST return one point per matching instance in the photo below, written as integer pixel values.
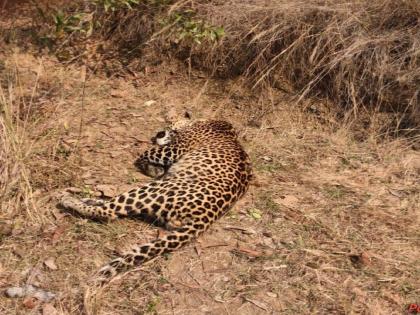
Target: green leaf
(255, 213)
(220, 32)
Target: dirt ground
(330, 226)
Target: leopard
(199, 169)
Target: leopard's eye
(160, 134)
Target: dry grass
(15, 150)
(363, 55)
(338, 232)
(342, 241)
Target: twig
(83, 76)
(257, 304)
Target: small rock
(87, 175)
(287, 200)
(97, 194)
(14, 292)
(50, 263)
(271, 294)
(267, 158)
(116, 93)
(29, 291)
(90, 181)
(149, 103)
(115, 154)
(74, 190)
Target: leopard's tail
(139, 255)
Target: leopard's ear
(187, 115)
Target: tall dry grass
(15, 150)
(30, 158)
(363, 55)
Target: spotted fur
(204, 172)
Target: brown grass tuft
(337, 224)
(364, 55)
(15, 149)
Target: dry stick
(83, 76)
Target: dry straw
(360, 54)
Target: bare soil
(330, 226)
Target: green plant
(186, 28)
(112, 5)
(334, 191)
(151, 305)
(79, 22)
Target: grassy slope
(338, 226)
(338, 230)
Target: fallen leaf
(115, 154)
(268, 241)
(274, 267)
(248, 251)
(5, 230)
(315, 252)
(116, 93)
(107, 190)
(287, 200)
(58, 215)
(365, 258)
(255, 213)
(360, 260)
(30, 302)
(35, 276)
(19, 252)
(149, 103)
(74, 190)
(49, 309)
(87, 175)
(395, 298)
(58, 231)
(90, 181)
(50, 263)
